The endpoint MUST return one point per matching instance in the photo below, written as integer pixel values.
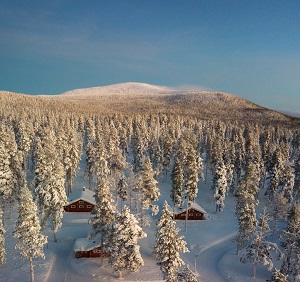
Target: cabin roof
(82, 194)
(84, 244)
(193, 205)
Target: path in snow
(209, 257)
(61, 261)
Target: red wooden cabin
(195, 212)
(81, 201)
(85, 248)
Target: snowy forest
(254, 164)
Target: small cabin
(81, 200)
(195, 212)
(85, 248)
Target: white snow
(121, 88)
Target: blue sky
(248, 48)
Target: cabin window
(96, 250)
(80, 202)
(191, 214)
(88, 206)
(73, 206)
(81, 206)
(198, 214)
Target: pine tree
(275, 173)
(24, 140)
(297, 178)
(177, 183)
(30, 240)
(220, 186)
(245, 212)
(291, 242)
(2, 241)
(187, 275)
(50, 184)
(148, 187)
(260, 250)
(168, 245)
(103, 214)
(6, 175)
(277, 276)
(191, 175)
(245, 206)
(123, 245)
(279, 210)
(167, 148)
(122, 187)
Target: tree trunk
(101, 251)
(31, 270)
(186, 213)
(3, 216)
(254, 270)
(90, 180)
(54, 235)
(120, 275)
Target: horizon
(248, 49)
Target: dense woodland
(43, 141)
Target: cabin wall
(192, 215)
(94, 253)
(79, 206)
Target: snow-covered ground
(210, 242)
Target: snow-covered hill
(121, 88)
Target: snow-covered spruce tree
(216, 151)
(103, 214)
(24, 140)
(52, 198)
(168, 245)
(148, 185)
(167, 148)
(123, 244)
(69, 148)
(138, 145)
(177, 183)
(246, 216)
(191, 175)
(279, 210)
(187, 275)
(50, 184)
(28, 230)
(260, 250)
(287, 181)
(181, 150)
(239, 149)
(277, 276)
(277, 165)
(297, 179)
(220, 186)
(122, 188)
(291, 242)
(90, 151)
(6, 176)
(2, 241)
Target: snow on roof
(84, 244)
(82, 194)
(193, 205)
